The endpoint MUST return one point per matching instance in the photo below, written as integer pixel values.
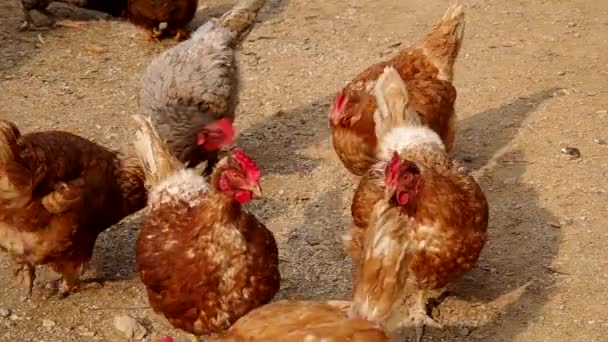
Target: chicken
(58, 192)
(426, 68)
(191, 90)
(300, 321)
(425, 218)
(205, 261)
(114, 8)
(173, 14)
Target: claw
(181, 35)
(151, 36)
(420, 318)
(24, 26)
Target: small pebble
(599, 141)
(14, 317)
(464, 331)
(87, 333)
(467, 159)
(573, 152)
(129, 327)
(561, 73)
(47, 323)
(4, 312)
(510, 180)
(555, 224)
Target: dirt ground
(531, 79)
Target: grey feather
(197, 82)
(190, 85)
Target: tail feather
(241, 18)
(392, 103)
(15, 180)
(157, 161)
(131, 177)
(9, 138)
(397, 124)
(443, 43)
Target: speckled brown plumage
(205, 261)
(302, 321)
(419, 220)
(58, 192)
(427, 70)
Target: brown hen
(205, 261)
(174, 15)
(427, 69)
(58, 192)
(302, 321)
(420, 221)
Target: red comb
(340, 101)
(252, 169)
(392, 169)
(337, 107)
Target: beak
(257, 190)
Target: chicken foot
(70, 280)
(181, 34)
(29, 23)
(419, 317)
(152, 35)
(25, 274)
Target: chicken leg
(418, 315)
(181, 35)
(29, 24)
(25, 274)
(70, 279)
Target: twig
(123, 308)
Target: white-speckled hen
(205, 261)
(419, 221)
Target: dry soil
(531, 79)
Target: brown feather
(58, 192)
(301, 321)
(205, 261)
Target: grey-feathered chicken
(191, 90)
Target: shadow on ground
(284, 134)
